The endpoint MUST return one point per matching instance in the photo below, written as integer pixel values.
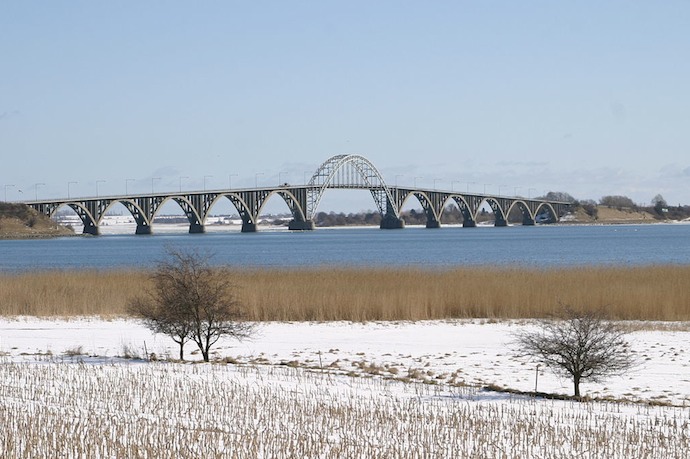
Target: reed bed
(212, 411)
(657, 293)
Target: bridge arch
(527, 216)
(350, 171)
(242, 207)
(135, 209)
(189, 207)
(500, 216)
(86, 214)
(249, 205)
(548, 211)
(468, 215)
(292, 201)
(433, 216)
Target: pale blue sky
(591, 98)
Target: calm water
(444, 247)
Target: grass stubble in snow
(64, 394)
(151, 410)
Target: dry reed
(323, 294)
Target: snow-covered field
(328, 390)
(471, 352)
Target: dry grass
(213, 411)
(323, 294)
(69, 293)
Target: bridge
(338, 172)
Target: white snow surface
(471, 352)
(360, 390)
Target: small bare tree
(160, 316)
(191, 300)
(579, 345)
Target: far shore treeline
(653, 293)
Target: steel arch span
(354, 172)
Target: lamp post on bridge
(97, 182)
(256, 179)
(230, 176)
(6, 187)
(153, 179)
(127, 185)
(68, 189)
(36, 189)
(205, 177)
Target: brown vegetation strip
(323, 294)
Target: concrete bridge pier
(196, 228)
(433, 224)
(143, 229)
(469, 224)
(391, 222)
(248, 227)
(91, 229)
(296, 225)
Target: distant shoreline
(20, 222)
(168, 228)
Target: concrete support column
(391, 222)
(527, 221)
(196, 228)
(143, 229)
(297, 225)
(248, 227)
(469, 224)
(91, 229)
(433, 224)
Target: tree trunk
(181, 352)
(204, 353)
(576, 383)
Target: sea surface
(536, 246)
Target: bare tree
(191, 300)
(160, 314)
(559, 196)
(659, 203)
(579, 345)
